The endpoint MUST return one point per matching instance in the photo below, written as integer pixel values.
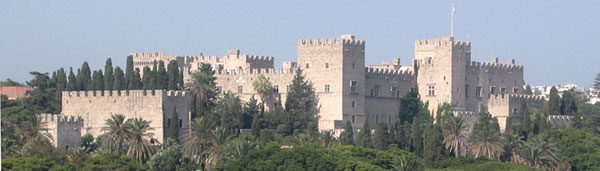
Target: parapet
(345, 40)
(442, 42)
(147, 55)
(62, 119)
(91, 94)
(559, 118)
(530, 99)
(494, 66)
(389, 73)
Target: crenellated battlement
(386, 73)
(442, 42)
(517, 97)
(258, 58)
(147, 55)
(170, 93)
(347, 40)
(560, 118)
(256, 71)
(62, 119)
(492, 66)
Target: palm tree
(238, 148)
(214, 152)
(303, 139)
(203, 83)
(139, 140)
(263, 87)
(197, 139)
(455, 133)
(539, 152)
(513, 143)
(33, 131)
(485, 138)
(78, 156)
(115, 134)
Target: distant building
(14, 92)
(587, 93)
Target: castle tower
(336, 69)
(64, 130)
(441, 71)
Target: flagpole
(452, 21)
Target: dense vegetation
(286, 136)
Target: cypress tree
(301, 99)
(256, 126)
(129, 72)
(72, 84)
(154, 80)
(161, 76)
(137, 79)
(568, 105)
(61, 79)
(363, 139)
(528, 90)
(119, 79)
(108, 75)
(347, 136)
(147, 78)
(417, 137)
(180, 80)
(382, 136)
(172, 75)
(174, 126)
(553, 104)
(84, 78)
(434, 147)
(98, 81)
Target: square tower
(441, 66)
(336, 69)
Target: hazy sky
(557, 41)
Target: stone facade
(64, 130)
(95, 107)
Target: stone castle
(348, 90)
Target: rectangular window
(275, 89)
(353, 104)
(376, 90)
(515, 110)
(353, 84)
(180, 123)
(352, 118)
(502, 91)
(478, 91)
(326, 65)
(307, 65)
(431, 90)
(372, 91)
(168, 123)
(466, 91)
(492, 91)
(326, 87)
(240, 89)
(393, 89)
(516, 90)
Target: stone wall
(64, 130)
(96, 107)
(506, 107)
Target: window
(353, 104)
(326, 87)
(515, 90)
(352, 118)
(515, 110)
(376, 90)
(372, 91)
(219, 89)
(168, 123)
(502, 91)
(307, 65)
(466, 91)
(276, 89)
(478, 91)
(431, 90)
(326, 65)
(394, 91)
(180, 123)
(240, 89)
(352, 65)
(492, 91)
(429, 59)
(353, 84)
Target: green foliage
(108, 75)
(172, 75)
(174, 126)
(10, 82)
(87, 140)
(84, 78)
(581, 147)
(568, 105)
(169, 158)
(382, 136)
(29, 163)
(528, 90)
(147, 78)
(485, 140)
(481, 164)
(402, 135)
(363, 139)
(204, 90)
(97, 81)
(410, 106)
(112, 162)
(347, 136)
(597, 82)
(301, 102)
(161, 76)
(553, 104)
(72, 81)
(43, 97)
(434, 147)
(119, 79)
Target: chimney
(495, 60)
(511, 61)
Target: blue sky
(557, 41)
